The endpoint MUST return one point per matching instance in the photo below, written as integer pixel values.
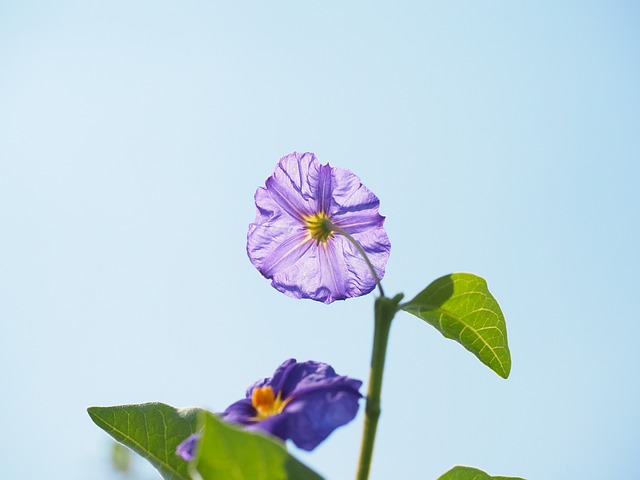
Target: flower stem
(385, 310)
(341, 231)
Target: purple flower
(187, 448)
(296, 242)
(303, 402)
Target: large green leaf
(461, 307)
(153, 430)
(228, 453)
(470, 473)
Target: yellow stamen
(319, 226)
(266, 403)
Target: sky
(502, 138)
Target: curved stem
(341, 231)
(385, 310)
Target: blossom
(299, 240)
(303, 402)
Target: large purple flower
(303, 402)
(298, 241)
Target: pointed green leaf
(470, 473)
(153, 430)
(228, 453)
(461, 307)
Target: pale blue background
(501, 137)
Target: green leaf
(470, 473)
(153, 430)
(461, 307)
(228, 453)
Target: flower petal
(299, 268)
(332, 271)
(355, 207)
(290, 184)
(291, 375)
(241, 412)
(187, 448)
(312, 416)
(272, 258)
(276, 381)
(271, 212)
(376, 245)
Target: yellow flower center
(266, 403)
(319, 226)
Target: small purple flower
(303, 402)
(292, 240)
(187, 448)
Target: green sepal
(461, 307)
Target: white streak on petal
(286, 254)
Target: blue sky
(501, 138)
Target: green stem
(385, 310)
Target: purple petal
(187, 448)
(283, 255)
(376, 244)
(288, 203)
(299, 379)
(308, 271)
(241, 411)
(350, 196)
(277, 381)
(305, 374)
(311, 417)
(291, 375)
(270, 212)
(343, 271)
(289, 185)
(333, 271)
